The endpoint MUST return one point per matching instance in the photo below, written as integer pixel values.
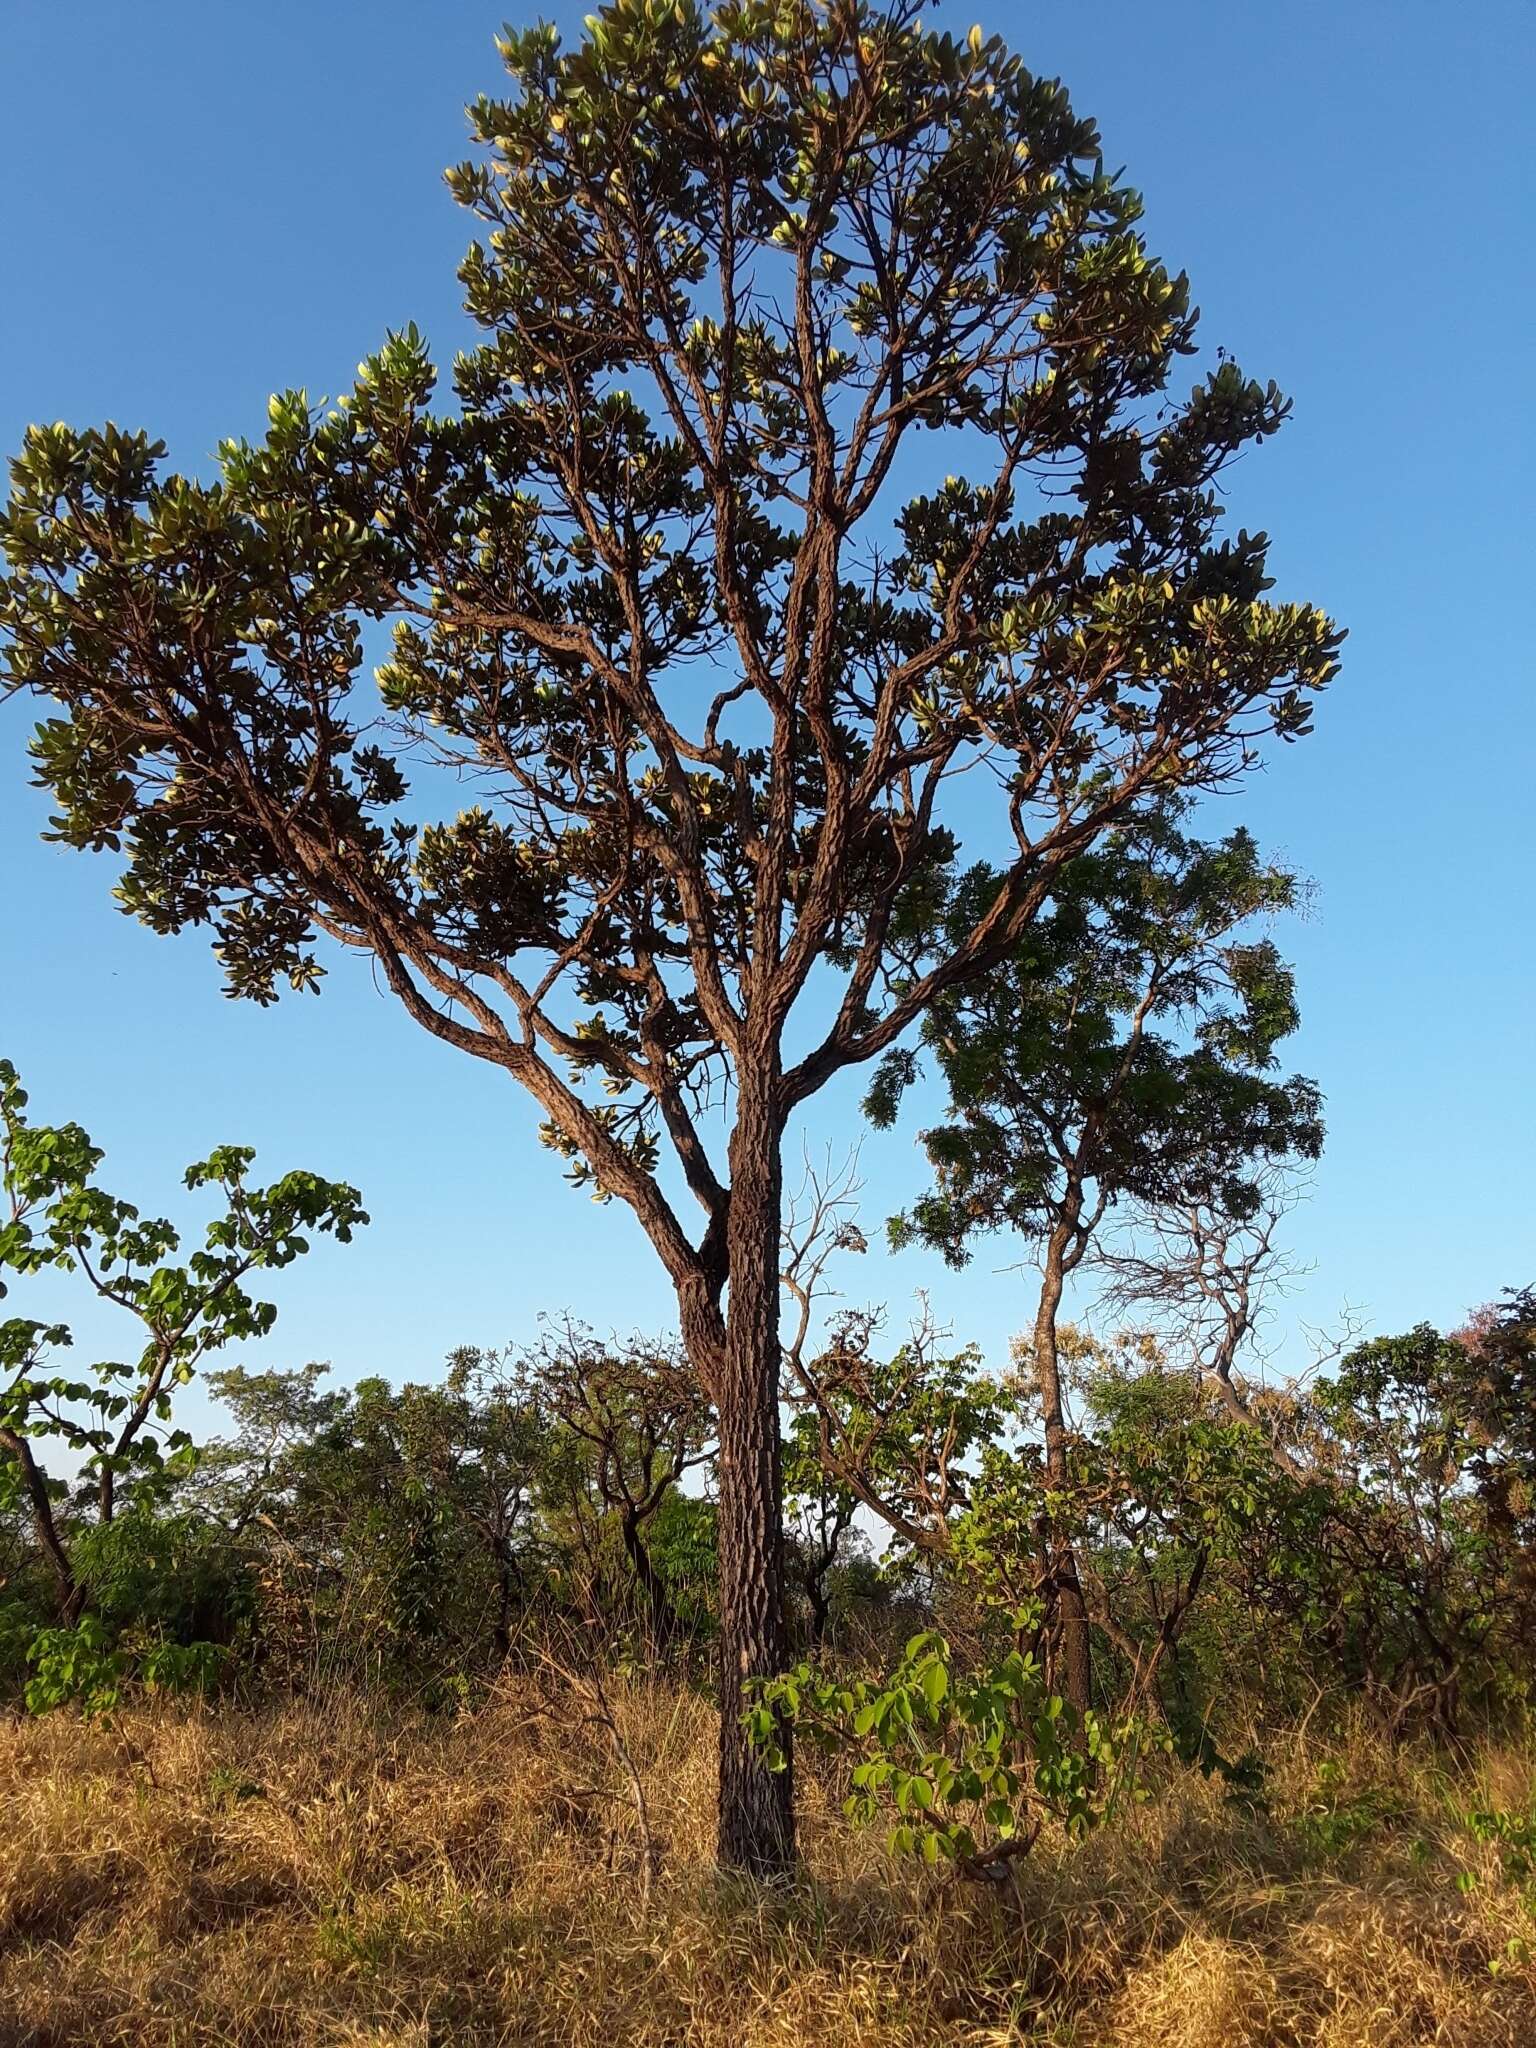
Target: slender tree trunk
(1064, 1589)
(821, 1606)
(501, 1628)
(757, 1814)
(663, 1621)
(817, 1573)
(35, 1483)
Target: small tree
(1500, 1343)
(1164, 1492)
(1204, 1268)
(115, 1419)
(1122, 1055)
(819, 1510)
(1433, 1523)
(494, 1438)
(639, 1424)
(657, 597)
(899, 1432)
(391, 1523)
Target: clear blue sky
(206, 203)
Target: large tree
(662, 600)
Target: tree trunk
(1063, 1589)
(816, 1593)
(757, 1815)
(663, 1621)
(34, 1482)
(501, 1628)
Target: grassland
(354, 1875)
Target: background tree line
(1179, 1549)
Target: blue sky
(207, 203)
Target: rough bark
(757, 1819)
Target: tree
(1122, 1055)
(1203, 1267)
(819, 1512)
(392, 1523)
(1167, 1493)
(656, 597)
(116, 1420)
(1500, 1343)
(1430, 1550)
(497, 1447)
(898, 1433)
(639, 1424)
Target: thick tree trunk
(1063, 1589)
(757, 1814)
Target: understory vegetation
(385, 1714)
(1240, 1555)
(351, 1873)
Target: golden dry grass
(350, 1877)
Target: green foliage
(420, 1536)
(18, 1626)
(87, 1667)
(405, 1533)
(1338, 1817)
(729, 268)
(139, 1594)
(227, 1787)
(390, 1509)
(652, 597)
(963, 1766)
(1164, 1499)
(819, 1509)
(79, 1666)
(173, 1575)
(1513, 1833)
(1421, 1573)
(1366, 1538)
(684, 1545)
(112, 1416)
(1122, 1053)
(896, 1433)
(628, 1422)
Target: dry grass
(344, 1877)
